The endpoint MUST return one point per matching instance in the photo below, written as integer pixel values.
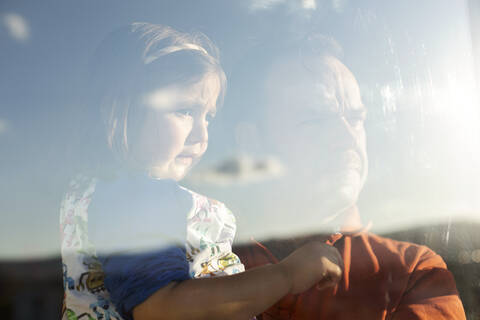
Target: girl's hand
(313, 263)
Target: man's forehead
(327, 85)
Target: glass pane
(325, 121)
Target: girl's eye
(184, 112)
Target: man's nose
(199, 132)
(344, 135)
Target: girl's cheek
(181, 128)
(179, 122)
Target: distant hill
(33, 289)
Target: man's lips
(348, 161)
(352, 160)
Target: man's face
(315, 119)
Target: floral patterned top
(210, 229)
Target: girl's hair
(138, 58)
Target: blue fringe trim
(132, 279)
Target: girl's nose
(199, 132)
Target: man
(314, 121)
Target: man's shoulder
(410, 254)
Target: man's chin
(348, 194)
(335, 198)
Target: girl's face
(174, 132)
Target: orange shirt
(382, 279)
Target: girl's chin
(180, 171)
(162, 173)
(175, 170)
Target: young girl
(152, 246)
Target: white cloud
(239, 170)
(17, 26)
(339, 5)
(256, 5)
(164, 99)
(264, 4)
(309, 4)
(3, 126)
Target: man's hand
(313, 263)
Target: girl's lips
(184, 160)
(188, 158)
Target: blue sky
(413, 61)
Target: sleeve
(131, 279)
(229, 261)
(431, 293)
(210, 233)
(138, 227)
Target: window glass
(288, 119)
